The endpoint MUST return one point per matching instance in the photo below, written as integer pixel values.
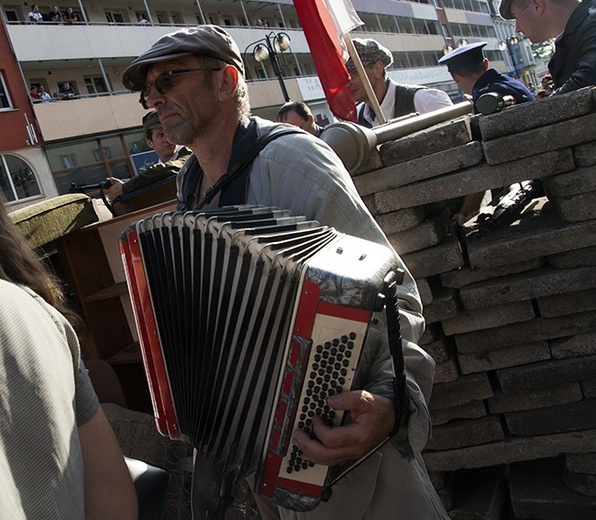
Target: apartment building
(96, 133)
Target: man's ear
(149, 143)
(538, 6)
(229, 82)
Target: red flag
(327, 54)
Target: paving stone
(511, 450)
(402, 219)
(429, 335)
(471, 410)
(583, 257)
(461, 391)
(582, 483)
(372, 162)
(530, 115)
(478, 494)
(567, 303)
(466, 276)
(539, 232)
(504, 357)
(545, 373)
(424, 290)
(438, 479)
(443, 136)
(469, 432)
(528, 400)
(426, 167)
(475, 179)
(579, 345)
(588, 388)
(446, 371)
(580, 415)
(581, 463)
(538, 329)
(446, 495)
(438, 350)
(539, 492)
(534, 284)
(581, 180)
(576, 208)
(488, 317)
(429, 233)
(444, 305)
(369, 202)
(585, 154)
(435, 260)
(540, 140)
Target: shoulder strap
(261, 142)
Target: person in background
(58, 455)
(55, 15)
(34, 15)
(470, 69)
(171, 159)
(66, 91)
(573, 24)
(141, 19)
(69, 16)
(298, 114)
(396, 100)
(34, 93)
(43, 95)
(194, 79)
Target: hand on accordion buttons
(372, 418)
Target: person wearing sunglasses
(194, 79)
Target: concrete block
(583, 257)
(538, 232)
(438, 350)
(446, 371)
(461, 391)
(584, 463)
(444, 306)
(472, 180)
(546, 373)
(438, 479)
(426, 167)
(466, 276)
(580, 415)
(579, 345)
(488, 317)
(504, 357)
(576, 208)
(520, 118)
(585, 154)
(511, 450)
(429, 335)
(538, 491)
(588, 388)
(528, 400)
(540, 140)
(478, 495)
(429, 233)
(401, 219)
(534, 284)
(457, 434)
(567, 303)
(435, 260)
(426, 295)
(369, 202)
(443, 136)
(584, 484)
(580, 180)
(371, 163)
(471, 410)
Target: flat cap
(464, 56)
(370, 51)
(151, 121)
(505, 9)
(205, 40)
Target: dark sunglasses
(165, 82)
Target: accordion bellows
(248, 318)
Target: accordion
(248, 319)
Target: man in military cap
(194, 79)
(573, 24)
(396, 100)
(171, 159)
(469, 69)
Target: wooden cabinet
(97, 275)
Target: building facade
(91, 136)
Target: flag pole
(372, 97)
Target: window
(114, 17)
(162, 17)
(5, 102)
(95, 84)
(17, 180)
(177, 18)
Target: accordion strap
(235, 169)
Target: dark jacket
(493, 81)
(573, 64)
